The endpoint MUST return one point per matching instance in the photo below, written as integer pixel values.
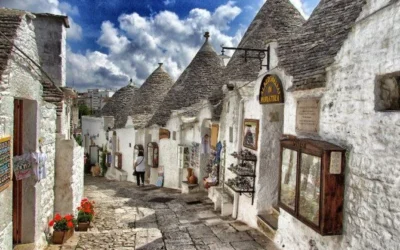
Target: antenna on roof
(207, 35)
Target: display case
(183, 156)
(245, 171)
(152, 154)
(312, 183)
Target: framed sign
(271, 90)
(250, 133)
(307, 115)
(5, 163)
(164, 133)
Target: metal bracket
(262, 53)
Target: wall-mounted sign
(271, 90)
(164, 133)
(336, 163)
(250, 133)
(5, 166)
(307, 116)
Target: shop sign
(271, 90)
(164, 133)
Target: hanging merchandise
(22, 166)
(39, 165)
(195, 156)
(205, 145)
(213, 167)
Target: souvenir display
(195, 155)
(245, 171)
(5, 166)
(310, 170)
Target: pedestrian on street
(140, 168)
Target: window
(388, 92)
(174, 135)
(312, 183)
(230, 134)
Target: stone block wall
(68, 176)
(348, 118)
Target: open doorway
(24, 190)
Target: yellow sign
(271, 90)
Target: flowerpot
(83, 226)
(190, 173)
(59, 237)
(192, 179)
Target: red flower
(69, 217)
(57, 218)
(70, 224)
(51, 223)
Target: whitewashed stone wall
(126, 142)
(348, 118)
(94, 126)
(68, 176)
(19, 81)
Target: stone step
(268, 223)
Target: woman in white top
(140, 168)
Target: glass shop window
(312, 183)
(388, 92)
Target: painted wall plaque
(164, 133)
(250, 133)
(271, 90)
(336, 163)
(307, 116)
(5, 163)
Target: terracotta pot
(190, 173)
(59, 237)
(192, 179)
(83, 226)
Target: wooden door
(17, 185)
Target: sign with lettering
(271, 90)
(336, 163)
(164, 133)
(22, 165)
(307, 116)
(5, 165)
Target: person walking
(140, 168)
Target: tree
(84, 110)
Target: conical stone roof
(119, 103)
(197, 82)
(306, 54)
(275, 19)
(149, 96)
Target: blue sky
(111, 41)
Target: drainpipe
(239, 147)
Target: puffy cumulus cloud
(49, 6)
(93, 70)
(138, 43)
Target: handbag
(134, 170)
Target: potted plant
(63, 228)
(85, 214)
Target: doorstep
(70, 244)
(268, 223)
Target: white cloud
(137, 44)
(49, 6)
(169, 2)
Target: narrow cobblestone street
(129, 217)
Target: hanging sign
(22, 165)
(271, 90)
(5, 166)
(164, 133)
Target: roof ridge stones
(200, 79)
(150, 96)
(306, 54)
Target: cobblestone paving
(127, 218)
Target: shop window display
(312, 183)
